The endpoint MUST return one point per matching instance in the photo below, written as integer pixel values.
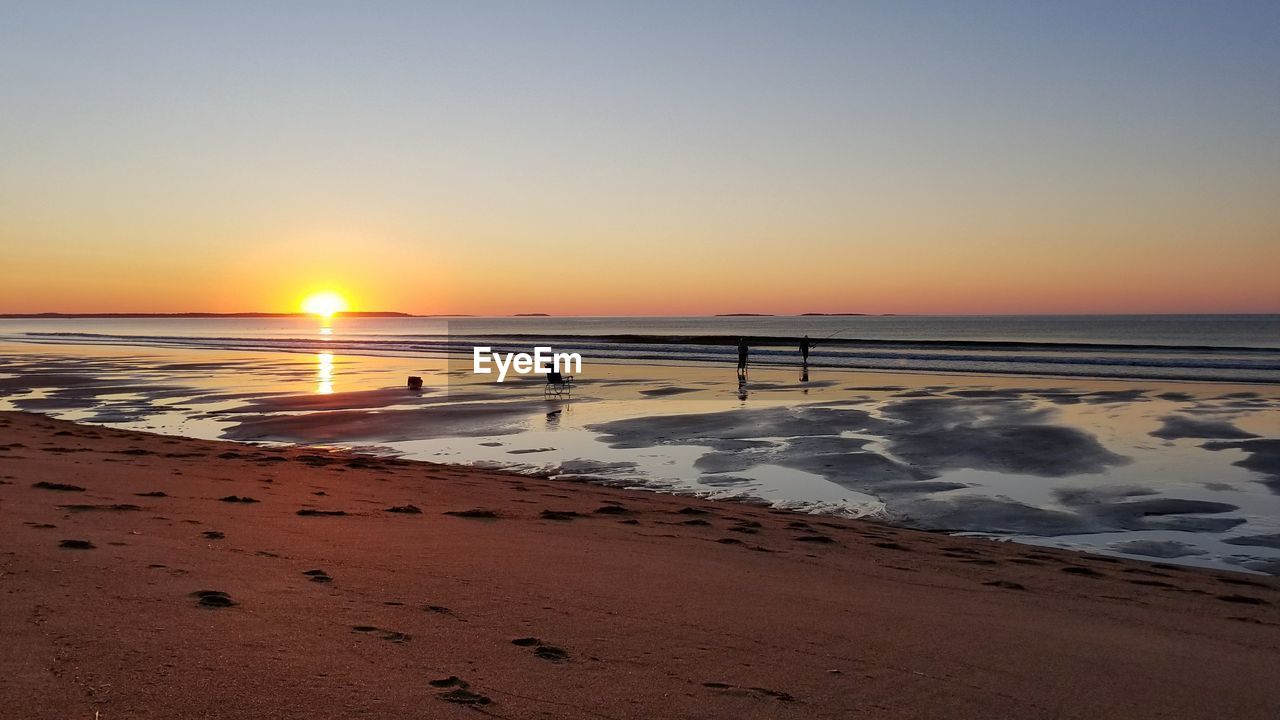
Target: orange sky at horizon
(673, 283)
(890, 263)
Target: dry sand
(136, 582)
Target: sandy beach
(144, 576)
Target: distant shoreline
(56, 316)
(388, 314)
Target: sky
(641, 158)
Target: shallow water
(1187, 472)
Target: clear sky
(641, 157)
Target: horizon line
(398, 314)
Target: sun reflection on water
(324, 373)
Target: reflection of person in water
(742, 357)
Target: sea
(1230, 348)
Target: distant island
(54, 316)
(530, 315)
(832, 315)
(745, 315)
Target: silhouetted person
(742, 357)
(804, 350)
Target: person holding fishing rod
(742, 358)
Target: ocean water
(1229, 348)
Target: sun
(324, 304)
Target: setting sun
(324, 304)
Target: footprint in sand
(213, 599)
(60, 487)
(1156, 583)
(388, 635)
(541, 649)
(1083, 571)
(312, 512)
(559, 515)
(213, 535)
(118, 507)
(1006, 584)
(405, 509)
(1140, 571)
(461, 695)
(550, 652)
(1242, 581)
(476, 513)
(237, 499)
(77, 545)
(750, 691)
(315, 460)
(1244, 599)
(318, 576)
(440, 610)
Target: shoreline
(668, 605)
(1126, 468)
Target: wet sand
(144, 576)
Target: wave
(1075, 359)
